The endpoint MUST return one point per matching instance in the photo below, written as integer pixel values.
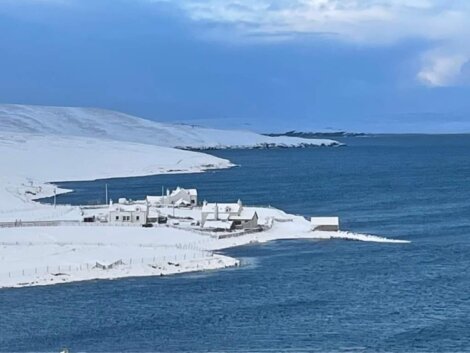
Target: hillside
(106, 124)
(45, 144)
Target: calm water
(290, 295)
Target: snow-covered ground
(39, 145)
(43, 144)
(106, 124)
(29, 161)
(49, 255)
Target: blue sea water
(290, 296)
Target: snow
(39, 145)
(32, 256)
(35, 256)
(106, 124)
(29, 161)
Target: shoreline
(41, 255)
(43, 252)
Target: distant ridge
(315, 135)
(111, 125)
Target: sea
(288, 296)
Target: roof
(226, 225)
(222, 217)
(192, 192)
(127, 208)
(222, 207)
(325, 221)
(245, 215)
(181, 202)
(154, 199)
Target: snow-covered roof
(245, 215)
(325, 221)
(181, 202)
(221, 217)
(222, 208)
(226, 225)
(192, 192)
(128, 208)
(154, 199)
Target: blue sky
(360, 65)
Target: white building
(128, 214)
(179, 197)
(329, 224)
(217, 226)
(227, 215)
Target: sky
(264, 65)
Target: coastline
(33, 256)
(41, 255)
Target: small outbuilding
(328, 224)
(217, 226)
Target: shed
(217, 226)
(329, 224)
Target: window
(117, 218)
(137, 218)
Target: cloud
(442, 69)
(446, 24)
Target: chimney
(216, 212)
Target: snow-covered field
(49, 255)
(39, 145)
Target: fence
(64, 223)
(98, 267)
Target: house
(179, 197)
(128, 214)
(233, 214)
(329, 224)
(247, 219)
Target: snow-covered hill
(106, 124)
(44, 144)
(29, 161)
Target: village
(172, 233)
(181, 208)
